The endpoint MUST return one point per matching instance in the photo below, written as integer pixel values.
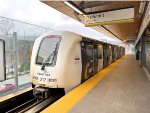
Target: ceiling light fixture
(142, 7)
(73, 7)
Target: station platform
(122, 87)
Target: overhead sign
(110, 17)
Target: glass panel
(89, 51)
(100, 52)
(25, 35)
(47, 51)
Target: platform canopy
(116, 19)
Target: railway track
(22, 104)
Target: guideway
(27, 103)
(126, 89)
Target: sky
(38, 13)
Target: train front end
(43, 69)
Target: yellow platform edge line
(64, 104)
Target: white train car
(62, 59)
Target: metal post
(15, 58)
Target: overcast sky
(38, 13)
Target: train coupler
(41, 93)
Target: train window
(47, 52)
(99, 55)
(100, 52)
(89, 51)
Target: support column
(15, 58)
(143, 54)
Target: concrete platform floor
(126, 89)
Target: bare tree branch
(6, 26)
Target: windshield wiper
(49, 57)
(47, 60)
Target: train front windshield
(47, 53)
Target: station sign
(116, 16)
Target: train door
(115, 53)
(95, 60)
(105, 56)
(109, 55)
(120, 51)
(100, 57)
(87, 60)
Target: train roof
(85, 38)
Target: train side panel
(71, 55)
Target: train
(64, 60)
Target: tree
(6, 26)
